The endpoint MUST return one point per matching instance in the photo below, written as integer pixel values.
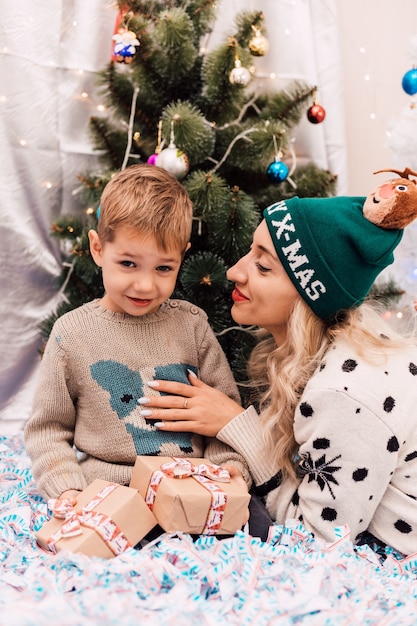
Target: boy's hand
(71, 495)
(237, 475)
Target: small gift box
(106, 520)
(191, 495)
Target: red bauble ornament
(316, 114)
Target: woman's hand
(196, 408)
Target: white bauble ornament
(173, 160)
(239, 75)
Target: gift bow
(104, 526)
(204, 474)
(182, 468)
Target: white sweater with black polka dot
(356, 426)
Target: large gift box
(191, 495)
(106, 520)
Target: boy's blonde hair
(148, 200)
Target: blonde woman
(334, 438)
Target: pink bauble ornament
(152, 158)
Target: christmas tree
(198, 115)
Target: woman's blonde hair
(282, 372)
(148, 200)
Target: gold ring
(184, 406)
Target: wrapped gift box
(190, 504)
(106, 520)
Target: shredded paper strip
(290, 579)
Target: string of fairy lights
(407, 126)
(126, 45)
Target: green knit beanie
(330, 251)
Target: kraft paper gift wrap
(191, 502)
(106, 520)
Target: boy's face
(137, 275)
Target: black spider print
(321, 470)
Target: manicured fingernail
(145, 412)
(152, 383)
(143, 401)
(158, 424)
(191, 373)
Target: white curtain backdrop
(50, 51)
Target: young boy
(86, 420)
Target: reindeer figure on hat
(393, 204)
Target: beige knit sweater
(85, 422)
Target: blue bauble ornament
(409, 82)
(277, 171)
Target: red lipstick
(237, 296)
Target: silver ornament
(239, 75)
(173, 161)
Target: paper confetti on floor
(291, 579)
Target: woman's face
(264, 295)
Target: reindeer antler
(404, 174)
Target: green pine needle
(207, 191)
(204, 271)
(192, 133)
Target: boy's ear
(96, 248)
(187, 247)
